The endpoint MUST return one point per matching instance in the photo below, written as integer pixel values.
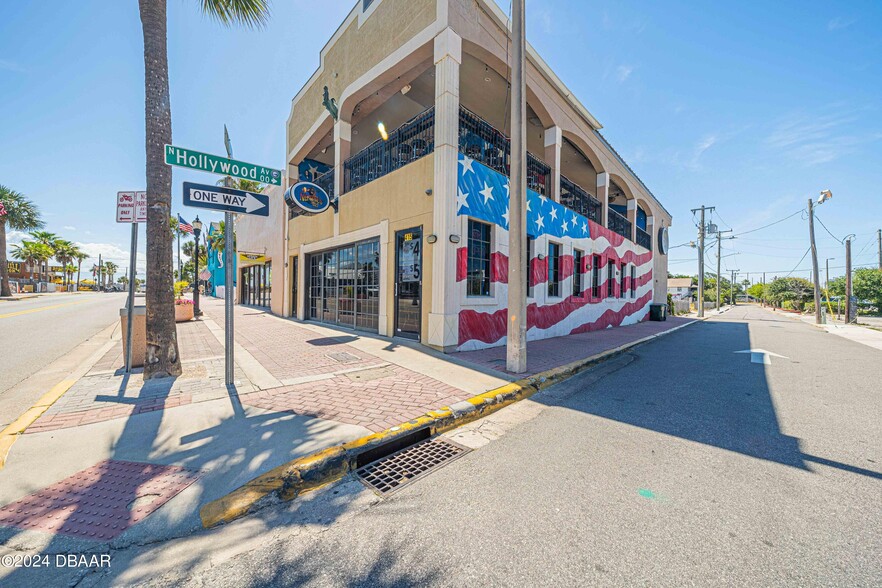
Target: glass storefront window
(344, 286)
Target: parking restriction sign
(131, 207)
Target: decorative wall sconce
(432, 239)
(454, 238)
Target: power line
(770, 224)
(800, 261)
(817, 218)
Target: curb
(313, 471)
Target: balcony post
(553, 142)
(650, 229)
(603, 196)
(444, 312)
(632, 218)
(342, 147)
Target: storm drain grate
(393, 472)
(344, 357)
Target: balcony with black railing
(618, 223)
(480, 141)
(579, 200)
(644, 239)
(409, 142)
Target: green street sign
(221, 165)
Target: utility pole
(879, 245)
(763, 301)
(701, 231)
(732, 287)
(516, 341)
(719, 232)
(849, 310)
(100, 271)
(817, 286)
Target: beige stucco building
(418, 243)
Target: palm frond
(251, 13)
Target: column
(444, 314)
(603, 196)
(342, 145)
(632, 217)
(553, 142)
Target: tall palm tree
(80, 256)
(64, 252)
(33, 254)
(19, 214)
(69, 270)
(48, 239)
(162, 345)
(109, 270)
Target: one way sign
(225, 199)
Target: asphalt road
(36, 331)
(682, 463)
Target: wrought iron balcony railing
(409, 142)
(619, 223)
(644, 239)
(578, 200)
(479, 140)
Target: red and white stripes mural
(483, 195)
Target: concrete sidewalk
(299, 388)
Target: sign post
(131, 207)
(229, 277)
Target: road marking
(761, 356)
(30, 310)
(10, 434)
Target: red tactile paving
(99, 502)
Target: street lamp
(825, 196)
(197, 228)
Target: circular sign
(663, 240)
(308, 197)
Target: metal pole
(763, 303)
(100, 268)
(849, 309)
(130, 311)
(180, 268)
(827, 275)
(719, 240)
(516, 342)
(228, 294)
(816, 280)
(879, 245)
(196, 271)
(701, 266)
(732, 289)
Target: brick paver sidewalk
(548, 354)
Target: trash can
(139, 334)
(658, 312)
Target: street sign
(221, 165)
(131, 207)
(225, 199)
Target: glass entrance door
(408, 282)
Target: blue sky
(751, 107)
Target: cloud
(69, 228)
(814, 139)
(623, 72)
(8, 65)
(839, 23)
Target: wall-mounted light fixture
(541, 256)
(428, 191)
(405, 89)
(432, 239)
(454, 238)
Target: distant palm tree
(69, 270)
(20, 214)
(109, 271)
(64, 253)
(48, 239)
(162, 345)
(80, 256)
(33, 254)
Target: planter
(183, 312)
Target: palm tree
(80, 256)
(33, 254)
(48, 239)
(19, 214)
(69, 269)
(218, 239)
(64, 253)
(162, 345)
(109, 270)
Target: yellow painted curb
(10, 434)
(318, 469)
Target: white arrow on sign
(252, 203)
(761, 356)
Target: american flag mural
(482, 194)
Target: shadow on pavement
(701, 390)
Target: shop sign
(308, 197)
(252, 258)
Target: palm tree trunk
(5, 290)
(162, 344)
(79, 267)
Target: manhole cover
(344, 357)
(371, 374)
(100, 502)
(391, 473)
